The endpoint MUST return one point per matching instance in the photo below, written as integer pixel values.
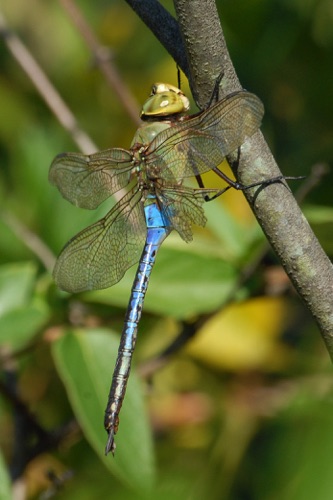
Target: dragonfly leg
(215, 94)
(234, 184)
(179, 80)
(200, 181)
(242, 187)
(207, 198)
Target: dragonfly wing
(183, 208)
(99, 256)
(87, 180)
(200, 143)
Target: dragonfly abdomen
(156, 234)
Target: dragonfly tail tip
(110, 445)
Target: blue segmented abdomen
(157, 231)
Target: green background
(245, 411)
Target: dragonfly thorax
(148, 179)
(147, 132)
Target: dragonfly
(169, 147)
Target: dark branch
(164, 27)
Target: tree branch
(206, 49)
(164, 27)
(274, 206)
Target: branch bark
(274, 206)
(164, 27)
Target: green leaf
(5, 488)
(16, 283)
(319, 214)
(85, 361)
(182, 284)
(21, 314)
(18, 326)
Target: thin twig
(30, 239)
(45, 88)
(318, 172)
(103, 59)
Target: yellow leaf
(244, 336)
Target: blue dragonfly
(169, 147)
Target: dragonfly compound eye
(165, 100)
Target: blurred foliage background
(244, 411)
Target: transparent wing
(87, 180)
(183, 208)
(198, 144)
(99, 256)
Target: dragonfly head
(164, 100)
